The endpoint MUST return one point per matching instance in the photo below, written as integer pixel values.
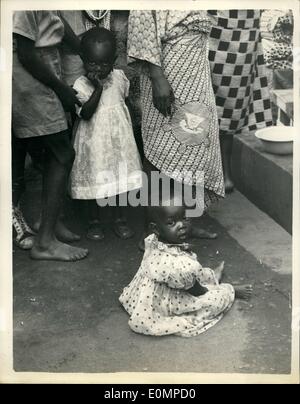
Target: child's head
(169, 222)
(98, 51)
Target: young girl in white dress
(107, 161)
(171, 292)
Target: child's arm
(38, 69)
(88, 109)
(167, 271)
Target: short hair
(173, 199)
(99, 34)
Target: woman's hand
(163, 96)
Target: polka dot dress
(157, 299)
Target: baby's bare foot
(219, 271)
(243, 291)
(57, 251)
(196, 232)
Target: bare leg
(200, 233)
(226, 142)
(95, 230)
(119, 213)
(19, 151)
(93, 210)
(23, 234)
(37, 154)
(120, 226)
(243, 291)
(61, 231)
(55, 176)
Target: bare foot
(201, 233)
(243, 291)
(219, 271)
(62, 233)
(57, 251)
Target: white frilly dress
(157, 300)
(107, 161)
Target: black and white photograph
(150, 173)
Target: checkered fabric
(238, 72)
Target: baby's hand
(98, 83)
(197, 290)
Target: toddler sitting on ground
(171, 292)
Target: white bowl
(277, 139)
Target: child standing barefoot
(39, 105)
(171, 292)
(107, 161)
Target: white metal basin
(277, 139)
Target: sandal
(122, 230)
(95, 231)
(24, 234)
(23, 222)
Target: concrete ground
(67, 317)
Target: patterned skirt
(238, 71)
(186, 146)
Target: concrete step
(255, 231)
(265, 179)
